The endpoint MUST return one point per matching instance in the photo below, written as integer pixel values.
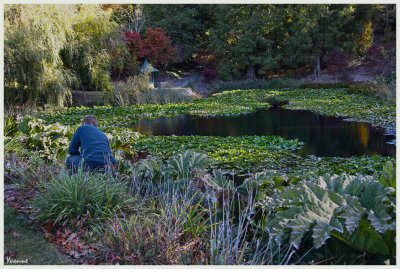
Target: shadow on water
(322, 135)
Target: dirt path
(184, 80)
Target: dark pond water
(322, 135)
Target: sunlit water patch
(322, 135)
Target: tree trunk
(317, 69)
(251, 74)
(84, 95)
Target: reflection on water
(323, 136)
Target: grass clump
(162, 96)
(136, 240)
(136, 90)
(379, 88)
(91, 195)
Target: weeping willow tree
(89, 50)
(34, 35)
(51, 49)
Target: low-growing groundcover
(23, 244)
(261, 152)
(204, 226)
(333, 102)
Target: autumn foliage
(156, 46)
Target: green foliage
(183, 25)
(243, 154)
(89, 47)
(151, 169)
(275, 101)
(11, 141)
(10, 126)
(276, 83)
(68, 197)
(388, 175)
(51, 49)
(34, 38)
(383, 88)
(355, 209)
(330, 85)
(136, 240)
(240, 38)
(119, 144)
(49, 141)
(183, 164)
(336, 102)
(127, 93)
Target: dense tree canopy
(182, 23)
(51, 49)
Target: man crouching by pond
(94, 145)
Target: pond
(322, 135)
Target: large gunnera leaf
(302, 207)
(357, 210)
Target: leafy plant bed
(249, 154)
(335, 102)
(169, 217)
(184, 210)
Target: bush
(209, 74)
(126, 93)
(381, 87)
(161, 96)
(332, 85)
(89, 195)
(254, 84)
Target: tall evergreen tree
(319, 29)
(240, 37)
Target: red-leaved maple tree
(156, 47)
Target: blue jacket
(94, 145)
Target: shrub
(126, 93)
(381, 87)
(83, 194)
(253, 84)
(162, 96)
(330, 85)
(209, 74)
(183, 163)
